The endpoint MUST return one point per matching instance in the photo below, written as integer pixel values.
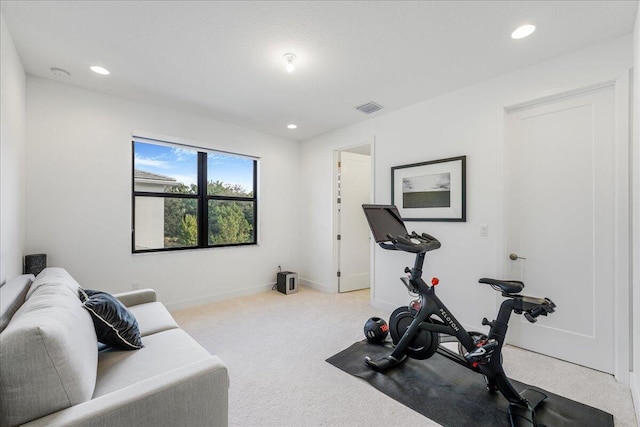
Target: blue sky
(181, 164)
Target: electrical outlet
(135, 286)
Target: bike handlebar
(425, 243)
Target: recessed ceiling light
(289, 58)
(292, 126)
(99, 70)
(523, 31)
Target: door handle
(514, 257)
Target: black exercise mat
(452, 395)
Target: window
(187, 197)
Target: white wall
(635, 188)
(79, 197)
(13, 149)
(465, 122)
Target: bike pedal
(482, 354)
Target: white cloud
(142, 161)
(182, 154)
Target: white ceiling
(225, 60)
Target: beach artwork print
(430, 191)
(427, 191)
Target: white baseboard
(218, 297)
(244, 292)
(635, 393)
(316, 285)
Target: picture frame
(431, 191)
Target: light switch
(484, 230)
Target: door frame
(622, 212)
(336, 219)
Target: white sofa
(52, 372)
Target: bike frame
(432, 305)
(434, 317)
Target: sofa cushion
(12, 295)
(114, 324)
(162, 352)
(152, 317)
(48, 356)
(53, 275)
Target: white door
(559, 164)
(354, 244)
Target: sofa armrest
(195, 395)
(140, 296)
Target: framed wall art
(430, 191)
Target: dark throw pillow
(115, 325)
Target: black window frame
(201, 197)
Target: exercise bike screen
(383, 220)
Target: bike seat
(506, 286)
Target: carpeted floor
(276, 345)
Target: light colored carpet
(276, 345)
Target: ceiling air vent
(369, 107)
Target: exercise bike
(416, 329)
